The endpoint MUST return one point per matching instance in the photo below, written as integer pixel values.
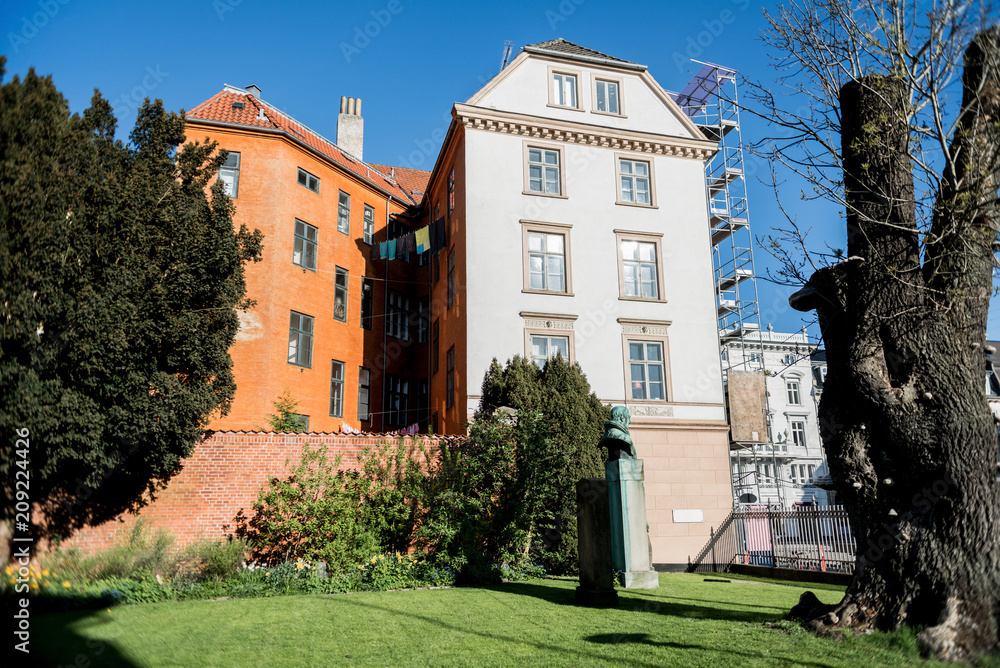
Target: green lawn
(687, 622)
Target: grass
(686, 622)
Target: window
(336, 388)
(792, 389)
(812, 472)
(364, 391)
(303, 421)
(423, 319)
(788, 358)
(546, 262)
(634, 178)
(545, 347)
(755, 357)
(397, 399)
(304, 248)
(340, 295)
(435, 340)
(229, 174)
(308, 180)
(451, 277)
(300, 331)
(451, 191)
(798, 433)
(369, 224)
(563, 89)
(449, 399)
(367, 302)
(397, 322)
(543, 171)
(640, 278)
(646, 371)
(344, 213)
(606, 96)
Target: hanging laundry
(375, 251)
(423, 237)
(390, 249)
(410, 242)
(400, 249)
(437, 235)
(383, 250)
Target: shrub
(314, 514)
(392, 482)
(137, 552)
(214, 559)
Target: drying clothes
(383, 249)
(423, 237)
(410, 242)
(390, 249)
(437, 235)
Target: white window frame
(344, 212)
(336, 389)
(560, 167)
(558, 99)
(595, 82)
(229, 174)
(549, 325)
(792, 431)
(369, 224)
(529, 227)
(364, 394)
(622, 236)
(645, 342)
(300, 339)
(632, 159)
(793, 391)
(341, 293)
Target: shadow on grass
(639, 601)
(55, 642)
(644, 639)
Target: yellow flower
(299, 566)
(266, 573)
(66, 584)
(374, 559)
(45, 572)
(10, 570)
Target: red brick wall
(223, 475)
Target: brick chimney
(351, 127)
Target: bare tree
(911, 442)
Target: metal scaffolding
(710, 100)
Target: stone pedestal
(597, 587)
(630, 547)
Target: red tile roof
(256, 113)
(413, 181)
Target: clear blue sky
(408, 61)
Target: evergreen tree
(119, 279)
(574, 419)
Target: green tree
(285, 418)
(120, 276)
(574, 418)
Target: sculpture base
(596, 598)
(639, 580)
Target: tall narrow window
(451, 191)
(607, 96)
(369, 224)
(639, 269)
(300, 333)
(336, 388)
(308, 180)
(543, 171)
(546, 262)
(344, 213)
(634, 179)
(304, 247)
(397, 399)
(792, 389)
(397, 318)
(435, 340)
(367, 302)
(647, 378)
(451, 277)
(340, 295)
(364, 392)
(564, 89)
(798, 433)
(229, 174)
(449, 399)
(423, 318)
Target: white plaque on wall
(688, 516)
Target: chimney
(350, 127)
(253, 90)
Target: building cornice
(549, 129)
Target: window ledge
(607, 113)
(563, 106)
(641, 299)
(640, 206)
(530, 192)
(529, 291)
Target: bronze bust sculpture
(616, 437)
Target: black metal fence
(815, 538)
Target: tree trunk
(911, 443)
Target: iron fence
(815, 538)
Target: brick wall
(223, 475)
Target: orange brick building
(318, 286)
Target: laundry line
(427, 238)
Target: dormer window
(606, 97)
(564, 90)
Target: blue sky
(408, 61)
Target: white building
(574, 194)
(784, 469)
